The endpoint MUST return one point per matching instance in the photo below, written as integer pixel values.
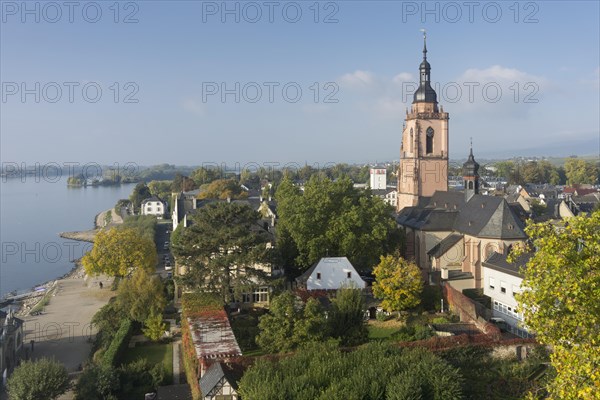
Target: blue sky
(543, 56)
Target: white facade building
(377, 179)
(502, 281)
(331, 273)
(153, 206)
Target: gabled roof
(498, 262)
(215, 373)
(153, 198)
(512, 198)
(446, 244)
(481, 216)
(212, 336)
(325, 262)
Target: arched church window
(470, 184)
(412, 141)
(429, 141)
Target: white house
(502, 280)
(331, 273)
(377, 179)
(153, 206)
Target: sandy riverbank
(104, 219)
(45, 291)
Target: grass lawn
(155, 353)
(383, 329)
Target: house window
(429, 141)
(260, 295)
(318, 276)
(515, 289)
(503, 287)
(349, 274)
(245, 298)
(492, 283)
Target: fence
(469, 311)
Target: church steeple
(425, 92)
(423, 166)
(471, 175)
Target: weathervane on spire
(471, 150)
(424, 43)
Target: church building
(449, 234)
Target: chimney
(445, 273)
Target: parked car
(500, 323)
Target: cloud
(358, 78)
(193, 106)
(403, 77)
(498, 90)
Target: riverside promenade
(64, 331)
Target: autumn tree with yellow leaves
(398, 283)
(118, 251)
(561, 302)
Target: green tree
(154, 327)
(290, 323)
(141, 296)
(505, 169)
(561, 303)
(107, 321)
(530, 173)
(37, 380)
(579, 171)
(334, 218)
(97, 382)
(139, 194)
(117, 251)
(398, 282)
(161, 189)
(346, 318)
(222, 189)
(182, 183)
(221, 249)
(537, 207)
(204, 175)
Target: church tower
(471, 176)
(424, 149)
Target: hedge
(119, 343)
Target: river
(33, 213)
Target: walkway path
(63, 330)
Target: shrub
(440, 320)
(98, 382)
(41, 379)
(136, 377)
(413, 332)
(381, 316)
(119, 343)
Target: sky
(201, 82)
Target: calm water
(32, 214)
